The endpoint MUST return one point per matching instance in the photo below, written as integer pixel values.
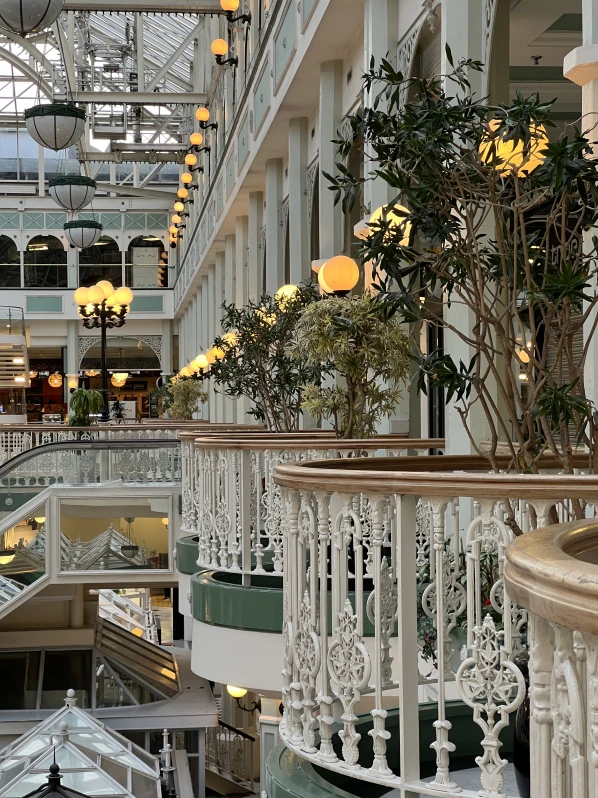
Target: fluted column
(298, 227)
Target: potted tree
(84, 402)
(252, 357)
(369, 352)
(183, 395)
(491, 245)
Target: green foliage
(352, 337)
(184, 393)
(83, 403)
(257, 364)
(117, 409)
(504, 257)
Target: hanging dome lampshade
(73, 192)
(83, 233)
(29, 16)
(55, 125)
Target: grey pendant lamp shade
(73, 192)
(54, 787)
(83, 233)
(29, 16)
(55, 125)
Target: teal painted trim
(187, 550)
(218, 598)
(537, 74)
(147, 304)
(44, 304)
(290, 776)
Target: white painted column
(229, 295)
(242, 404)
(274, 249)
(166, 358)
(203, 335)
(462, 31)
(254, 263)
(72, 353)
(298, 228)
(218, 297)
(269, 722)
(211, 292)
(581, 67)
(331, 90)
(241, 261)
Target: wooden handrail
(442, 475)
(318, 442)
(546, 572)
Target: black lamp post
(103, 308)
(54, 787)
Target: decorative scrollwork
(493, 687)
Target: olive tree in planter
(355, 339)
(501, 224)
(182, 397)
(253, 358)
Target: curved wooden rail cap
(322, 441)
(544, 573)
(435, 475)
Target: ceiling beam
(148, 193)
(139, 97)
(156, 6)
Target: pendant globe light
(73, 192)
(29, 16)
(83, 233)
(55, 125)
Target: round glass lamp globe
(186, 178)
(192, 367)
(231, 338)
(229, 5)
(339, 274)
(81, 296)
(184, 372)
(96, 295)
(285, 293)
(196, 139)
(182, 193)
(172, 230)
(106, 287)
(202, 362)
(123, 295)
(509, 157)
(219, 47)
(190, 159)
(179, 207)
(235, 692)
(176, 219)
(165, 521)
(202, 115)
(395, 218)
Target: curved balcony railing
(16, 439)
(417, 547)
(231, 502)
(553, 572)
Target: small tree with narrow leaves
(505, 241)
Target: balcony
(415, 588)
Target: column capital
(581, 65)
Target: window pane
(64, 670)
(20, 670)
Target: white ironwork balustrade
(395, 602)
(231, 501)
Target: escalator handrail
(131, 443)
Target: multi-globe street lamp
(104, 308)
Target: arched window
(45, 263)
(143, 262)
(10, 263)
(102, 261)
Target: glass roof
(85, 749)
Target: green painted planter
(187, 550)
